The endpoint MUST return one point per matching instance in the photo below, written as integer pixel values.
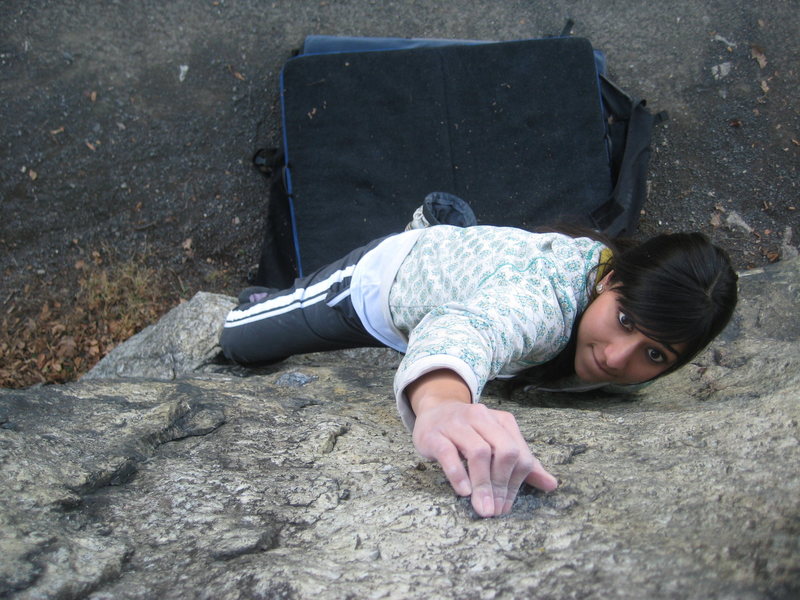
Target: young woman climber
(470, 304)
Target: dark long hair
(676, 288)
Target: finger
(533, 471)
(479, 461)
(540, 478)
(521, 470)
(437, 446)
(505, 463)
(512, 458)
(526, 468)
(450, 460)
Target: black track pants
(315, 314)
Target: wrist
(436, 388)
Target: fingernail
(499, 505)
(488, 505)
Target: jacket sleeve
(516, 319)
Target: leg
(314, 315)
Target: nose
(619, 351)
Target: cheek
(587, 328)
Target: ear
(606, 280)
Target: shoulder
(488, 250)
(577, 253)
(510, 236)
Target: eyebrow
(671, 350)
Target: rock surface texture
(190, 479)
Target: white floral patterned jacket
(487, 302)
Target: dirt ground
(127, 128)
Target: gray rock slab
(299, 481)
(182, 342)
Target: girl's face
(610, 349)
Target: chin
(585, 375)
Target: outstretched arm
(448, 427)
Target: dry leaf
(716, 220)
(32, 174)
(66, 347)
(764, 86)
(91, 146)
(236, 73)
(757, 53)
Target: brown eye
(656, 355)
(625, 321)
